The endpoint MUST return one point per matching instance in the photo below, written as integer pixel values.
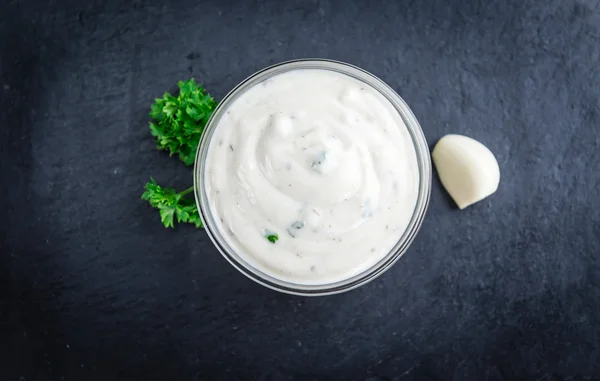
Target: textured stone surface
(93, 287)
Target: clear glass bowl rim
(423, 160)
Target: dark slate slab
(92, 287)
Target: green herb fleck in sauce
(318, 162)
(292, 230)
(272, 237)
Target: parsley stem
(186, 191)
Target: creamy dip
(311, 176)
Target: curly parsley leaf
(178, 121)
(171, 204)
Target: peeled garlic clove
(468, 169)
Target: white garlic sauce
(319, 159)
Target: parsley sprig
(177, 124)
(171, 204)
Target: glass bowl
(424, 170)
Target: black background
(93, 287)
